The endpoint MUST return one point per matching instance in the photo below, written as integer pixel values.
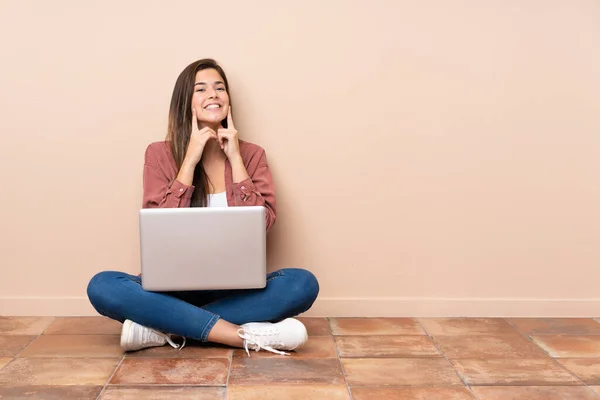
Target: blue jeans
(192, 314)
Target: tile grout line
(28, 344)
(54, 319)
(111, 376)
(11, 360)
(228, 374)
(337, 352)
(329, 327)
(551, 358)
(25, 348)
(446, 358)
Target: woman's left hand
(228, 139)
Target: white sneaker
(288, 334)
(136, 337)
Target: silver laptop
(203, 248)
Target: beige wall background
(430, 158)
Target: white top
(217, 199)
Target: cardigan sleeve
(258, 190)
(159, 190)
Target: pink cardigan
(161, 189)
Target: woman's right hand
(198, 140)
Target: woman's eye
(200, 90)
(221, 89)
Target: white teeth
(211, 106)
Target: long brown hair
(180, 127)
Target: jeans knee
(98, 288)
(304, 285)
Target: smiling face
(210, 98)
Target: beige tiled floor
(346, 358)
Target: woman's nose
(212, 93)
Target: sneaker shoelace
(263, 339)
(149, 335)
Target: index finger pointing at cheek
(230, 120)
(194, 120)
